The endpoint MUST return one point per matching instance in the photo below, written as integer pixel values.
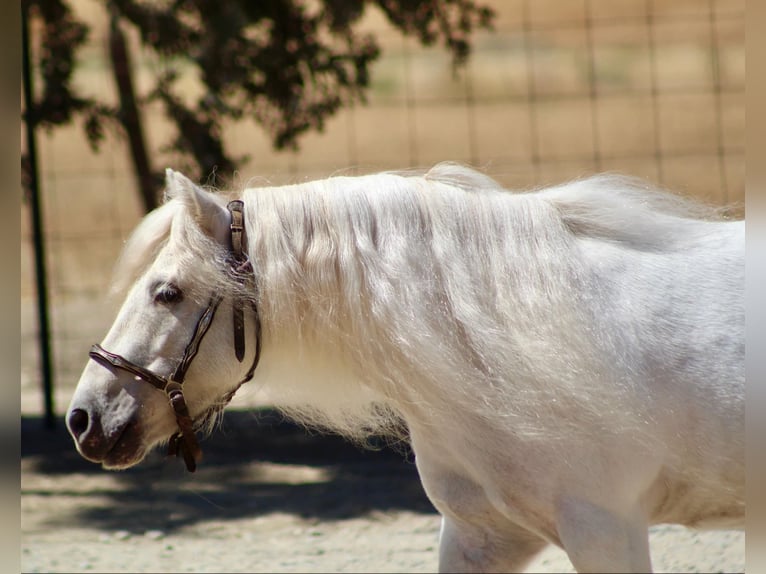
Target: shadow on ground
(255, 464)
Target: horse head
(186, 260)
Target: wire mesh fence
(560, 89)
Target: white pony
(568, 363)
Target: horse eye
(168, 293)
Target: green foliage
(62, 36)
(288, 64)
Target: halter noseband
(184, 442)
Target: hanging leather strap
(237, 229)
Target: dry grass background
(562, 88)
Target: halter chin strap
(184, 442)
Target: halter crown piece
(184, 442)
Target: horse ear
(204, 206)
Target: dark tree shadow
(255, 464)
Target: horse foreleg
(464, 547)
(600, 540)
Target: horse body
(568, 363)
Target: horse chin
(128, 450)
(122, 461)
(206, 420)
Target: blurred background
(556, 89)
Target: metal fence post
(37, 227)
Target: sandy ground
(268, 497)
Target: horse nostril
(77, 421)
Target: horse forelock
(173, 225)
(142, 246)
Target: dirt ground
(268, 497)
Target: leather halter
(184, 442)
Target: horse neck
(400, 290)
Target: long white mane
(437, 289)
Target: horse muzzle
(115, 421)
(118, 447)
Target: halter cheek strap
(242, 268)
(237, 228)
(184, 442)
